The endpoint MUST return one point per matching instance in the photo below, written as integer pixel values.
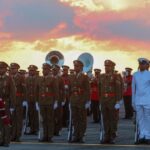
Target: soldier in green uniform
(58, 110)
(17, 116)
(7, 94)
(32, 97)
(48, 93)
(120, 82)
(79, 96)
(110, 97)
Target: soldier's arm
(61, 87)
(100, 86)
(119, 88)
(87, 88)
(55, 86)
(12, 91)
(133, 90)
(23, 87)
(37, 88)
(26, 89)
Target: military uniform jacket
(47, 90)
(7, 91)
(66, 86)
(128, 85)
(94, 89)
(31, 87)
(60, 85)
(110, 87)
(79, 89)
(20, 88)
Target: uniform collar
(15, 75)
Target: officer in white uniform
(141, 100)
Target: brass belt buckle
(43, 95)
(75, 93)
(106, 95)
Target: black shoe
(57, 134)
(96, 121)
(114, 135)
(129, 118)
(124, 118)
(30, 133)
(43, 140)
(50, 140)
(17, 140)
(1, 144)
(13, 139)
(6, 145)
(147, 141)
(105, 141)
(75, 140)
(142, 141)
(112, 141)
(80, 141)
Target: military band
(43, 101)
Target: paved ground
(125, 139)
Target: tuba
(55, 58)
(88, 61)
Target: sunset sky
(108, 29)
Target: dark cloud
(31, 20)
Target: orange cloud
(100, 27)
(58, 31)
(4, 36)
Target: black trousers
(65, 116)
(95, 110)
(128, 107)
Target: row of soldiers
(49, 96)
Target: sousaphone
(88, 61)
(55, 58)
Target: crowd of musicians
(29, 102)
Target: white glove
(66, 86)
(121, 102)
(63, 103)
(55, 105)
(12, 110)
(24, 104)
(117, 106)
(88, 104)
(37, 106)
